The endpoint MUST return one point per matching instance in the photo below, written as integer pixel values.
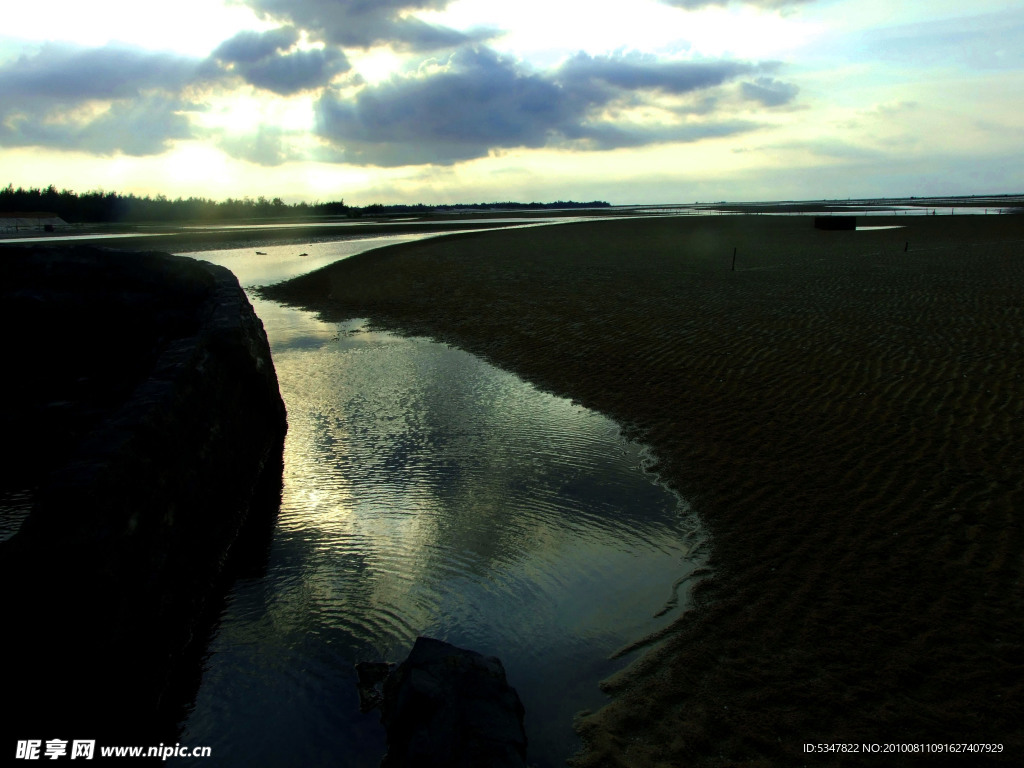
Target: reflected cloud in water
(427, 492)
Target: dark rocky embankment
(142, 412)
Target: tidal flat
(843, 410)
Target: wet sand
(190, 239)
(844, 415)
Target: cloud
(138, 127)
(263, 59)
(365, 23)
(142, 126)
(636, 71)
(250, 47)
(478, 101)
(769, 92)
(297, 71)
(74, 74)
(101, 100)
(267, 146)
(615, 136)
(116, 99)
(984, 41)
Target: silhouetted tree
(111, 207)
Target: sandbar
(844, 412)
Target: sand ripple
(846, 417)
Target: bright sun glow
(197, 164)
(376, 64)
(644, 25)
(242, 111)
(746, 33)
(191, 27)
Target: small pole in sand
(905, 246)
(733, 259)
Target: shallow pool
(427, 492)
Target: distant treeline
(377, 208)
(112, 207)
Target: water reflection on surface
(274, 263)
(427, 492)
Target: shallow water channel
(428, 492)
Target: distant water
(352, 227)
(427, 492)
(620, 212)
(65, 238)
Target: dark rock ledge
(142, 416)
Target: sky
(447, 101)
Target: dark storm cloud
(480, 101)
(364, 23)
(263, 59)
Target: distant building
(34, 220)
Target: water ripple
(426, 492)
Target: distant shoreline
(191, 239)
(210, 235)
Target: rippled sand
(845, 415)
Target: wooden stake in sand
(733, 259)
(905, 246)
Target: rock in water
(447, 706)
